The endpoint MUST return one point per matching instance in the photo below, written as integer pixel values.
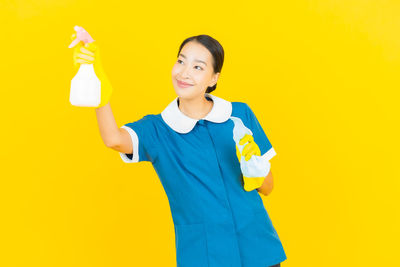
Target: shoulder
(154, 121)
(240, 109)
(151, 118)
(144, 123)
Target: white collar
(173, 116)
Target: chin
(184, 92)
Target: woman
(190, 145)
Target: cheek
(200, 77)
(175, 69)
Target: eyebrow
(194, 60)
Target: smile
(183, 84)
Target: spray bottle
(256, 166)
(85, 86)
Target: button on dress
(217, 223)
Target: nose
(184, 73)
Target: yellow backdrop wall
(323, 78)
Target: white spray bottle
(85, 86)
(256, 166)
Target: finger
(84, 56)
(85, 59)
(82, 61)
(248, 147)
(84, 50)
(76, 52)
(73, 36)
(74, 43)
(246, 138)
(250, 137)
(78, 47)
(248, 156)
(245, 149)
(91, 46)
(252, 151)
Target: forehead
(194, 50)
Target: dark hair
(215, 49)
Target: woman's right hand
(81, 57)
(89, 53)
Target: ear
(214, 79)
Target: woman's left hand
(249, 183)
(250, 149)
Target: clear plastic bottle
(85, 88)
(256, 166)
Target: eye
(179, 61)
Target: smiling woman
(196, 71)
(191, 147)
(207, 53)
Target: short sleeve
(141, 133)
(259, 135)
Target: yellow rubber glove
(250, 183)
(90, 54)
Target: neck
(196, 108)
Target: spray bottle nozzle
(81, 35)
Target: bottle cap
(81, 35)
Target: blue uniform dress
(217, 223)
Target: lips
(183, 84)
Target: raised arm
(113, 137)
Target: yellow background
(322, 77)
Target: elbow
(265, 191)
(267, 186)
(111, 144)
(268, 192)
